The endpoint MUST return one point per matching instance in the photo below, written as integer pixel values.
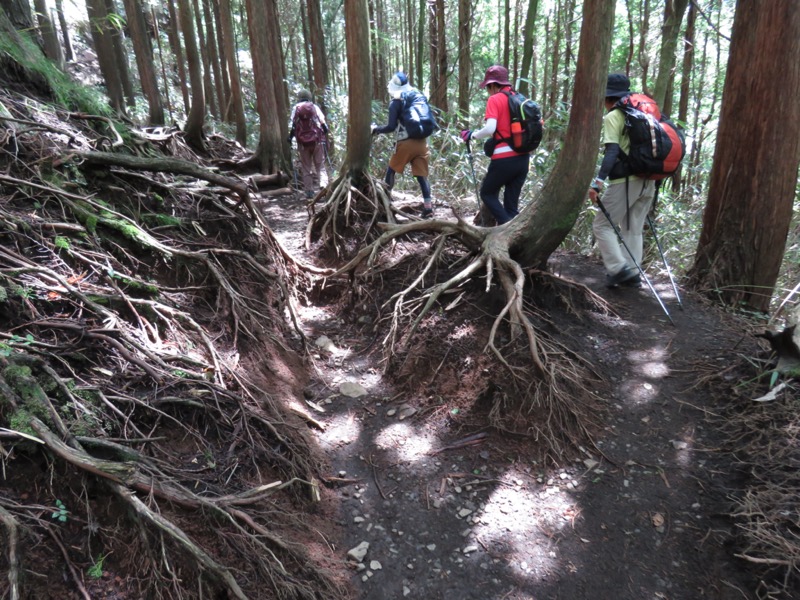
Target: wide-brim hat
(618, 85)
(398, 84)
(495, 74)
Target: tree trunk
(438, 54)
(318, 53)
(507, 34)
(281, 89)
(226, 25)
(104, 47)
(197, 113)
(420, 42)
(377, 76)
(539, 229)
(527, 48)
(175, 43)
(208, 83)
(644, 58)
(267, 156)
(686, 79)
(213, 56)
(359, 139)
(143, 52)
(464, 58)
(673, 15)
(62, 24)
(19, 13)
(120, 54)
(52, 47)
(754, 175)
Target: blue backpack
(416, 115)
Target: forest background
(195, 66)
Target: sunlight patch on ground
(341, 429)
(404, 441)
(527, 523)
(648, 368)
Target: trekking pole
(602, 207)
(474, 179)
(664, 258)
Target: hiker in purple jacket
(309, 128)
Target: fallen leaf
(658, 520)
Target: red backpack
(657, 143)
(307, 128)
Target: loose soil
(451, 509)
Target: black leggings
(423, 182)
(509, 172)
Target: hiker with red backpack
(511, 140)
(309, 128)
(411, 120)
(641, 147)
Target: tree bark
(319, 55)
(539, 229)
(52, 47)
(175, 43)
(143, 52)
(19, 13)
(527, 48)
(104, 47)
(208, 83)
(62, 24)
(229, 51)
(120, 54)
(464, 58)
(673, 15)
(213, 56)
(267, 156)
(438, 41)
(359, 140)
(197, 113)
(754, 174)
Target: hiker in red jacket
(309, 128)
(507, 168)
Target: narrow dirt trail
(428, 512)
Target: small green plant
(61, 242)
(61, 513)
(96, 570)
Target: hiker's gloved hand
(373, 129)
(466, 134)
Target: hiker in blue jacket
(627, 199)
(407, 150)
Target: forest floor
(427, 503)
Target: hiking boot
(427, 213)
(634, 282)
(623, 275)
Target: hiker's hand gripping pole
(602, 207)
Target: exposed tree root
(543, 389)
